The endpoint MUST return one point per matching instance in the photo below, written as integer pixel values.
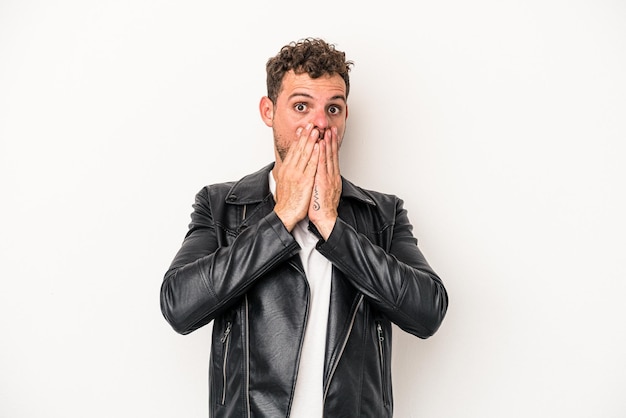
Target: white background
(500, 123)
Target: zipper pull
(226, 332)
(380, 332)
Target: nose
(321, 121)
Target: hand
(295, 177)
(327, 186)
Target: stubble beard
(281, 149)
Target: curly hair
(313, 56)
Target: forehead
(321, 87)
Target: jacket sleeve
(399, 282)
(208, 275)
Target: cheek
(288, 127)
(340, 133)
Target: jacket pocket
(383, 363)
(225, 340)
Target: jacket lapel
(253, 194)
(343, 296)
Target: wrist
(289, 222)
(325, 227)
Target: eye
(300, 107)
(334, 110)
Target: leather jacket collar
(247, 191)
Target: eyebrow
(337, 97)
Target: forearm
(400, 283)
(204, 281)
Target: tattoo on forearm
(316, 198)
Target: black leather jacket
(239, 266)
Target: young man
(302, 271)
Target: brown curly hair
(313, 56)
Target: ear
(346, 111)
(266, 107)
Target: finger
(321, 163)
(314, 161)
(292, 154)
(306, 143)
(333, 154)
(310, 143)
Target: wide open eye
(300, 107)
(334, 110)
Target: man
(302, 271)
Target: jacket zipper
(247, 342)
(247, 354)
(225, 345)
(343, 347)
(381, 355)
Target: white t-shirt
(308, 398)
